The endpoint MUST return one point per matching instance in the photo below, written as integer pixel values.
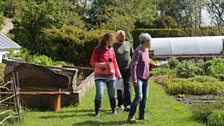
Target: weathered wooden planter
(51, 87)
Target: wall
(2, 53)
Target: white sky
(206, 19)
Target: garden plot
(199, 84)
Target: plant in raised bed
(216, 118)
(186, 70)
(173, 62)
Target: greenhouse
(188, 45)
(6, 44)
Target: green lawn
(162, 110)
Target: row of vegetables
(188, 78)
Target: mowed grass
(162, 110)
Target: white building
(188, 45)
(5, 44)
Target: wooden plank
(55, 103)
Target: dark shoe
(131, 120)
(142, 118)
(127, 108)
(97, 108)
(113, 104)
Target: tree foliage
(71, 43)
(187, 13)
(69, 29)
(35, 17)
(216, 10)
(121, 14)
(2, 18)
(164, 21)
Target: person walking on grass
(140, 67)
(124, 50)
(106, 70)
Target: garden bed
(198, 84)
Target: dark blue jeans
(124, 97)
(141, 95)
(100, 89)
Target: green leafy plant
(186, 70)
(162, 71)
(194, 88)
(203, 79)
(216, 118)
(200, 112)
(214, 68)
(208, 113)
(173, 62)
(36, 59)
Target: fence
(10, 102)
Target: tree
(164, 21)
(121, 14)
(187, 13)
(2, 18)
(72, 44)
(35, 17)
(216, 10)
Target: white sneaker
(121, 107)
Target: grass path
(162, 110)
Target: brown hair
(106, 37)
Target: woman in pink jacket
(106, 70)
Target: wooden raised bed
(51, 87)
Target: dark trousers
(124, 98)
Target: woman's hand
(106, 65)
(135, 83)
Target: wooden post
(56, 102)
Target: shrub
(201, 112)
(72, 44)
(208, 113)
(36, 59)
(194, 88)
(162, 71)
(186, 70)
(162, 79)
(214, 68)
(216, 118)
(203, 79)
(173, 62)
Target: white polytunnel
(188, 45)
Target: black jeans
(125, 98)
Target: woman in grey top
(140, 67)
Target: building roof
(6, 43)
